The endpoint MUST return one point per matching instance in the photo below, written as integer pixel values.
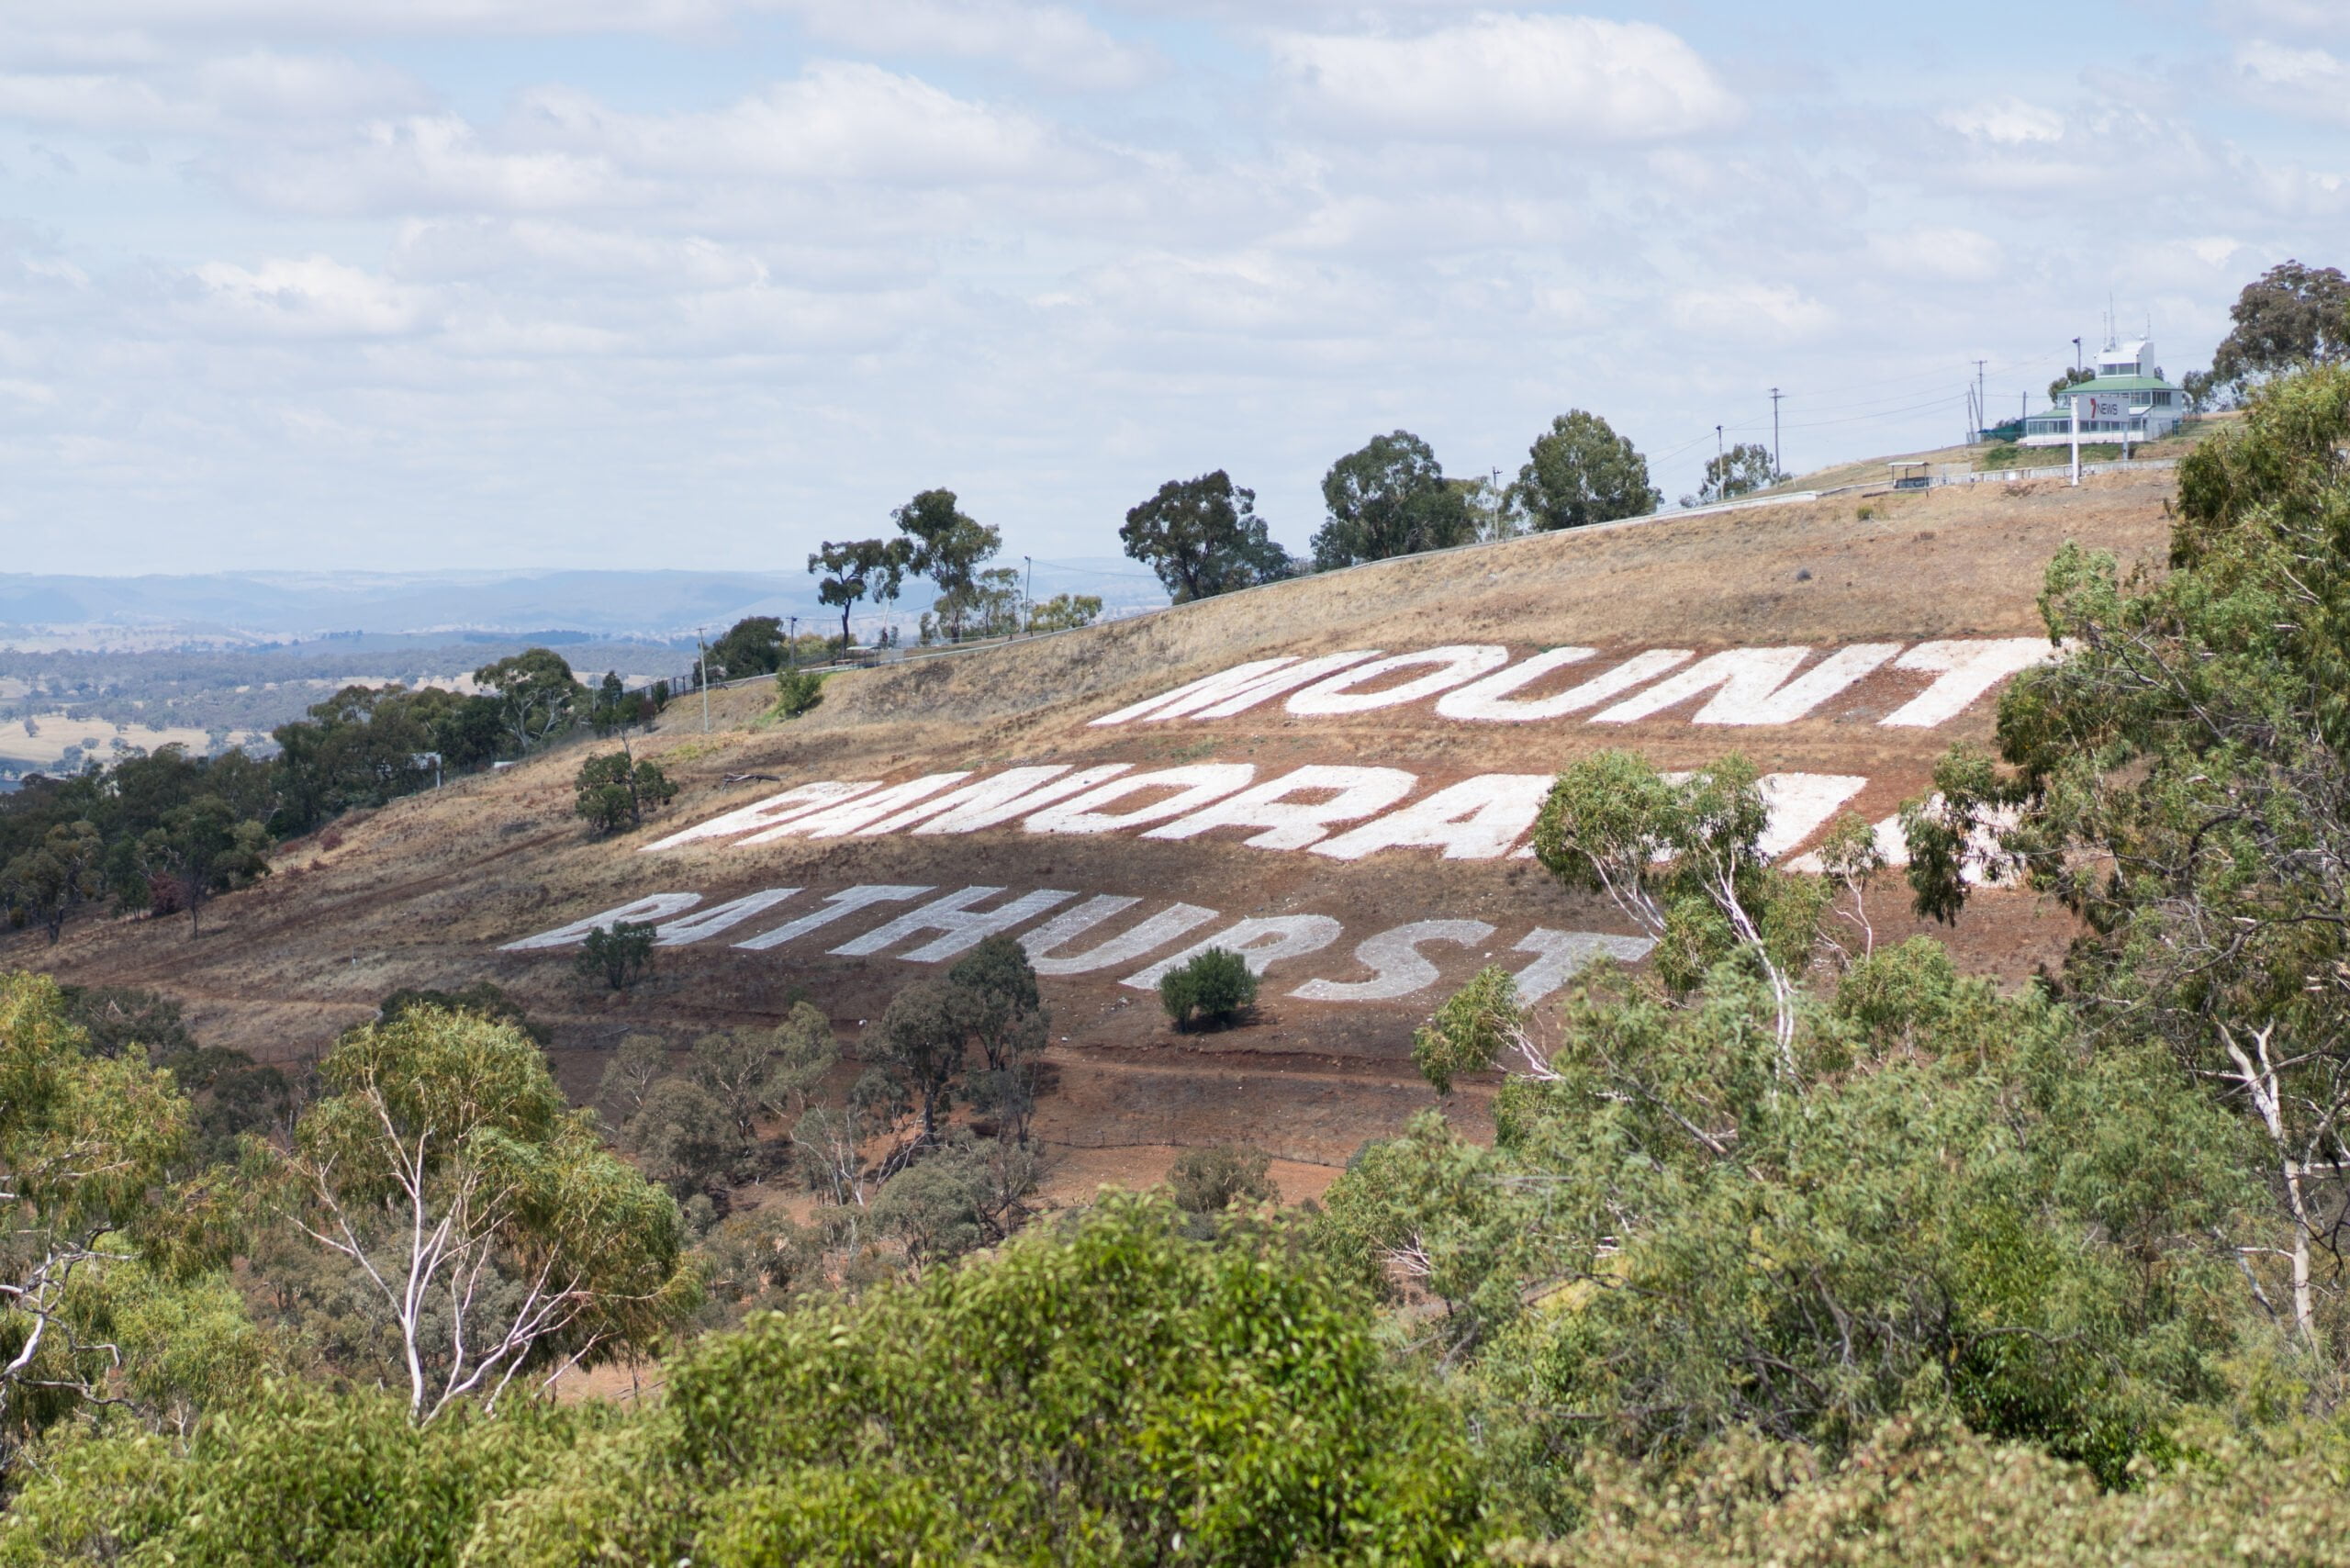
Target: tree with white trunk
(2179, 781)
(484, 1215)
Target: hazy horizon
(651, 603)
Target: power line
(1983, 368)
(1922, 374)
(1869, 409)
(1941, 402)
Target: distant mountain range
(233, 608)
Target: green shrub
(306, 1476)
(796, 691)
(484, 999)
(1956, 1201)
(1101, 1393)
(619, 954)
(1928, 1491)
(615, 790)
(1213, 989)
(1209, 1180)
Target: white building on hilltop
(2127, 401)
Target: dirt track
(424, 892)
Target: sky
(412, 285)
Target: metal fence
(685, 685)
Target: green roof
(2119, 384)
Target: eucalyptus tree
(1388, 499)
(2180, 780)
(1202, 537)
(481, 1214)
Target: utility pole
(704, 656)
(1982, 410)
(1028, 594)
(791, 648)
(1776, 466)
(2076, 403)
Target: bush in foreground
(1112, 1393)
(1105, 1393)
(1928, 1491)
(304, 1477)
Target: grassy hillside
(426, 891)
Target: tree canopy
(537, 694)
(1389, 498)
(950, 548)
(166, 832)
(614, 791)
(1202, 537)
(1064, 613)
(2070, 376)
(2289, 317)
(1581, 472)
(756, 644)
(859, 568)
(1740, 470)
(89, 1145)
(1120, 1392)
(2178, 782)
(443, 1167)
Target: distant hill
(231, 609)
(1344, 795)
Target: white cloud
(1055, 43)
(1506, 76)
(52, 43)
(433, 162)
(1953, 255)
(56, 267)
(264, 85)
(312, 298)
(480, 248)
(94, 103)
(1052, 43)
(1748, 313)
(256, 90)
(836, 121)
(2009, 122)
(2309, 81)
(2307, 18)
(1253, 296)
(214, 19)
(2212, 251)
(513, 308)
